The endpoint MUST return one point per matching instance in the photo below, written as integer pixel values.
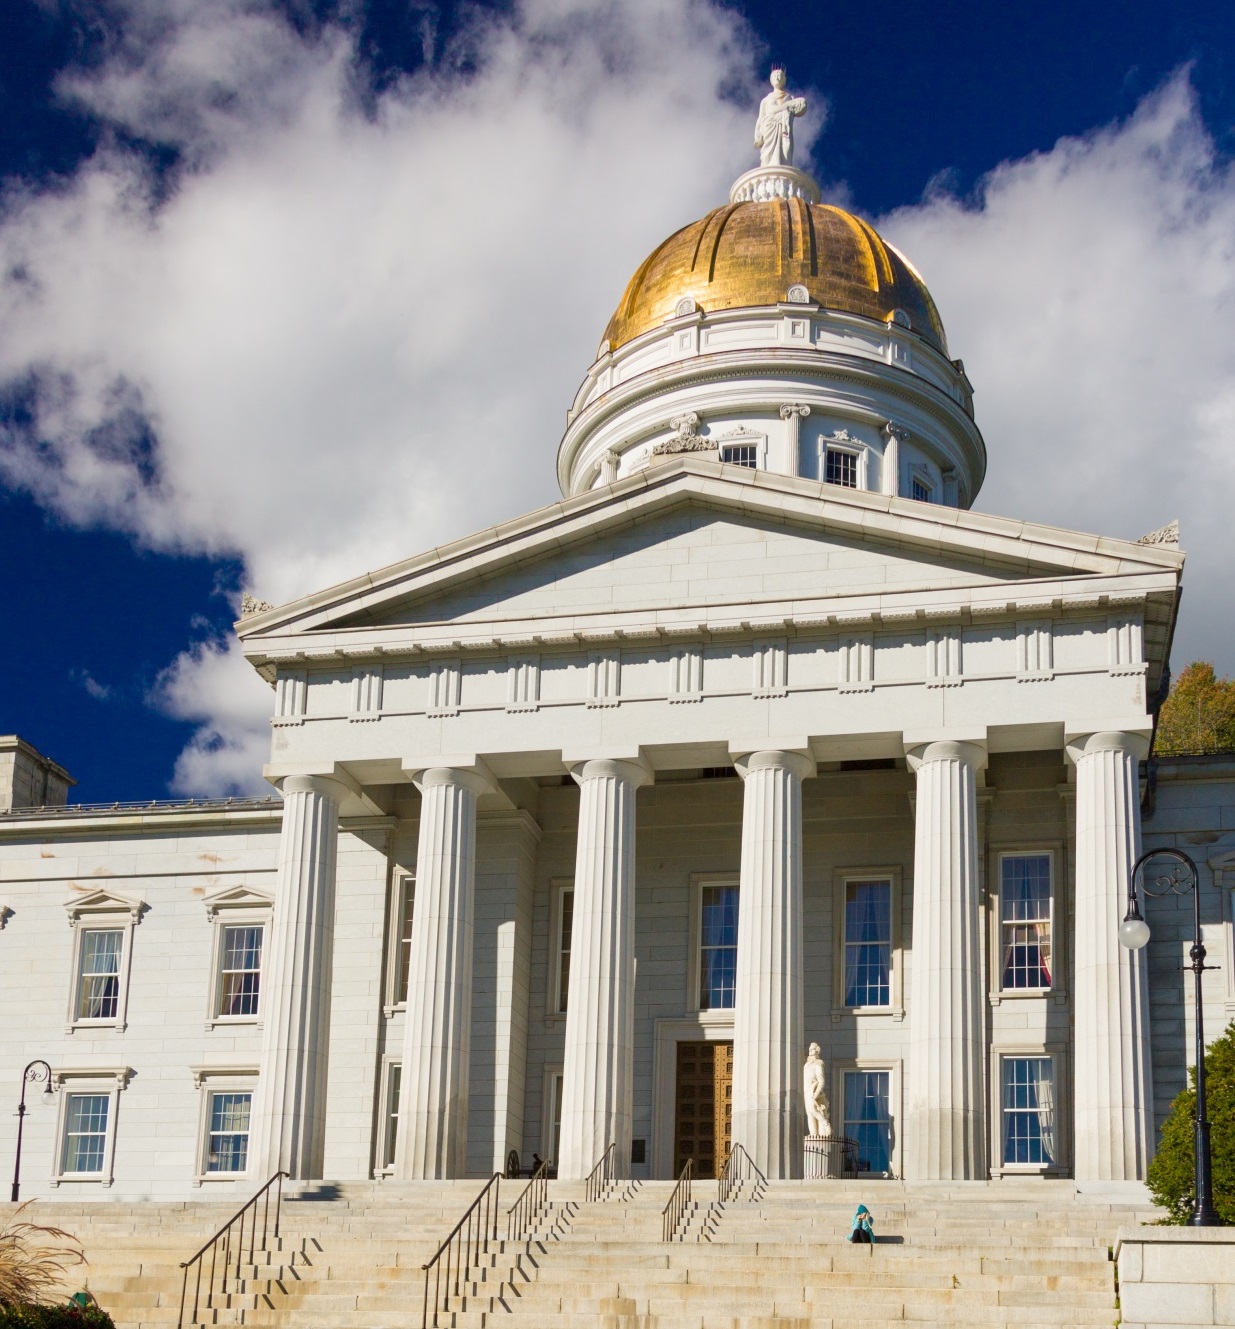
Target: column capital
(794, 410)
(797, 760)
(470, 772)
(326, 781)
(631, 767)
(1131, 734)
(927, 745)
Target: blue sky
(245, 244)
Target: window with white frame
(718, 946)
(228, 1114)
(553, 1120)
(1028, 1111)
(240, 916)
(402, 913)
(868, 942)
(84, 1146)
(390, 1114)
(740, 454)
(868, 1116)
(86, 1125)
(240, 970)
(100, 953)
(1025, 962)
(564, 924)
(840, 467)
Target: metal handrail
(739, 1168)
(602, 1176)
(231, 1235)
(679, 1201)
(468, 1239)
(527, 1208)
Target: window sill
(1022, 994)
(206, 1178)
(234, 1021)
(720, 1016)
(896, 1012)
(397, 1009)
(73, 1178)
(76, 1026)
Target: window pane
(240, 970)
(868, 943)
(1028, 1110)
(840, 468)
(718, 947)
(920, 491)
(567, 910)
(85, 1132)
(407, 904)
(741, 454)
(98, 990)
(228, 1146)
(868, 1118)
(1025, 895)
(392, 1113)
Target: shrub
(54, 1317)
(34, 1261)
(1171, 1172)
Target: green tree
(1171, 1172)
(1199, 714)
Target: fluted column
(432, 1141)
(598, 1064)
(1112, 1078)
(289, 1128)
(945, 1099)
(768, 1027)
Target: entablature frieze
(984, 606)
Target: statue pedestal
(766, 183)
(829, 1156)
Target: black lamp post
(35, 1073)
(1180, 878)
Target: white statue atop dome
(774, 128)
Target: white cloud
(348, 334)
(214, 687)
(1091, 293)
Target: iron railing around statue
(679, 1204)
(737, 1172)
(237, 1243)
(522, 1215)
(459, 1254)
(831, 1156)
(602, 1176)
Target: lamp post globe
(1179, 876)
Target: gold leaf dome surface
(751, 253)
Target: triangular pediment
(237, 897)
(696, 533)
(102, 901)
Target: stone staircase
(1013, 1253)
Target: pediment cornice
(1019, 550)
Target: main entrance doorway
(703, 1113)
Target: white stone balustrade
(598, 1069)
(289, 1126)
(945, 1099)
(1113, 1136)
(768, 1025)
(433, 1097)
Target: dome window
(842, 461)
(686, 305)
(901, 319)
(798, 295)
(741, 454)
(921, 490)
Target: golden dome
(748, 254)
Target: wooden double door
(703, 1111)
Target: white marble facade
(516, 770)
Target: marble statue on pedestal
(814, 1091)
(774, 128)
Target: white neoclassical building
(592, 821)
